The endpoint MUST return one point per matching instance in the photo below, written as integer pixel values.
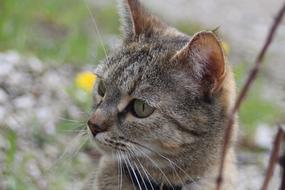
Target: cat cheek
(170, 145)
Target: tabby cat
(160, 106)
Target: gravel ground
(33, 101)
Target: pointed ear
(204, 57)
(136, 21)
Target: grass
(35, 167)
(255, 109)
(189, 28)
(53, 30)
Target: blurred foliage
(61, 30)
(187, 27)
(25, 168)
(255, 109)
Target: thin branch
(273, 158)
(283, 172)
(251, 77)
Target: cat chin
(101, 145)
(104, 149)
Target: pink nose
(97, 123)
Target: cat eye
(101, 88)
(141, 109)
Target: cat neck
(161, 172)
(143, 182)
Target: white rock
(35, 64)
(264, 136)
(3, 97)
(44, 113)
(17, 79)
(24, 102)
(5, 69)
(10, 57)
(33, 169)
(2, 113)
(53, 81)
(50, 128)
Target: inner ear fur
(203, 57)
(136, 21)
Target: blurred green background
(60, 30)
(63, 32)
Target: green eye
(101, 88)
(141, 109)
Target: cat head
(161, 90)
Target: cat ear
(204, 56)
(136, 21)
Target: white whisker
(155, 164)
(147, 174)
(129, 152)
(173, 167)
(132, 168)
(71, 120)
(96, 29)
(130, 174)
(119, 170)
(171, 162)
(72, 149)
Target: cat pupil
(141, 109)
(101, 88)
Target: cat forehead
(125, 68)
(148, 50)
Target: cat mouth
(110, 144)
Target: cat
(161, 102)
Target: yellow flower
(226, 47)
(85, 81)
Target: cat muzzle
(95, 129)
(98, 123)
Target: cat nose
(97, 123)
(94, 128)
